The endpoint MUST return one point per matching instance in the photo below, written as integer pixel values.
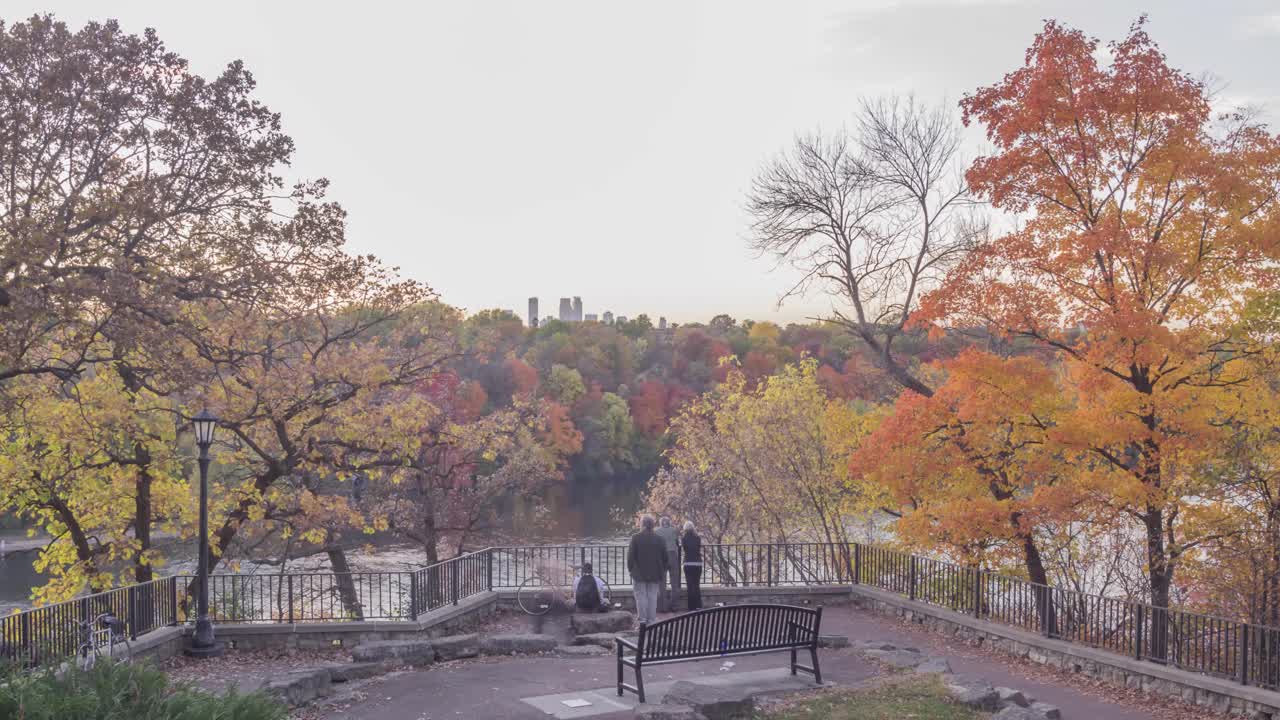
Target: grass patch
(918, 698)
(122, 691)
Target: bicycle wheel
(536, 596)
(607, 600)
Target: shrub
(123, 691)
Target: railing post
(456, 575)
(413, 595)
(1244, 654)
(769, 561)
(1139, 628)
(27, 648)
(173, 600)
(291, 618)
(911, 582)
(489, 561)
(977, 592)
(857, 563)
(131, 610)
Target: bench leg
(639, 682)
(793, 661)
(619, 670)
(817, 671)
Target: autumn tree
(873, 217)
(1148, 223)
(776, 452)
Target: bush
(123, 691)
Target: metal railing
(1245, 652)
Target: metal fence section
(1244, 652)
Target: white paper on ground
(575, 703)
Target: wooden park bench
(722, 632)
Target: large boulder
(1017, 712)
(973, 692)
(646, 711)
(1009, 696)
(833, 641)
(411, 652)
(513, 643)
(934, 665)
(453, 647)
(904, 659)
(346, 672)
(604, 640)
(581, 651)
(593, 623)
(1047, 711)
(300, 686)
(713, 701)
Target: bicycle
(539, 594)
(105, 630)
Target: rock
(975, 693)
(647, 711)
(864, 645)
(512, 643)
(346, 672)
(1047, 711)
(454, 647)
(833, 641)
(581, 650)
(896, 658)
(1016, 712)
(604, 640)
(593, 623)
(715, 702)
(934, 665)
(412, 652)
(300, 686)
(1009, 696)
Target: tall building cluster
(570, 310)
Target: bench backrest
(729, 629)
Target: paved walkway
(499, 689)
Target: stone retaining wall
(1219, 695)
(449, 620)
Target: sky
(502, 150)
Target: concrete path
(502, 689)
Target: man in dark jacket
(647, 563)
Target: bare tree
(873, 216)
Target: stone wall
(449, 620)
(1216, 694)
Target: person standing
(647, 563)
(670, 596)
(692, 546)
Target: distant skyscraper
(547, 320)
(662, 323)
(622, 319)
(566, 309)
(533, 312)
(577, 309)
(591, 317)
(608, 317)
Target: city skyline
(624, 177)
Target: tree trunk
(346, 584)
(1035, 571)
(1160, 579)
(142, 571)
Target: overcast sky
(498, 150)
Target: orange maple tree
(1148, 222)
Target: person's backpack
(587, 595)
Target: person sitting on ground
(588, 591)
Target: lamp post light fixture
(203, 644)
